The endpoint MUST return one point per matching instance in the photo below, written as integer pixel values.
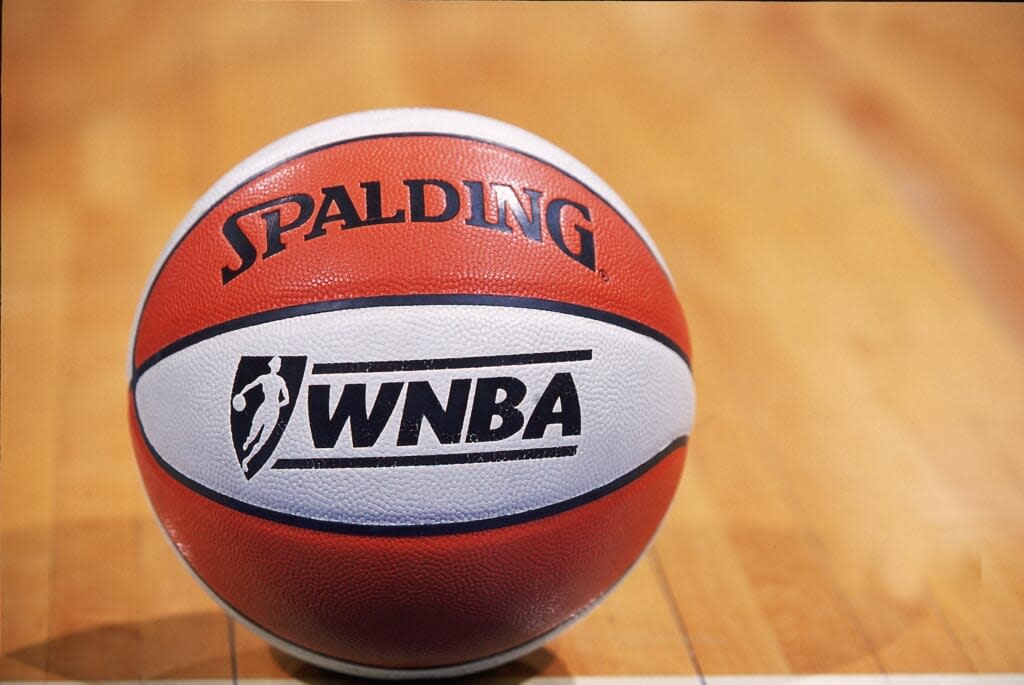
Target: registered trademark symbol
(604, 275)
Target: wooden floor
(839, 191)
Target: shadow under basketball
(162, 649)
(538, 662)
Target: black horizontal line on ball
(426, 459)
(453, 362)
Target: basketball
(410, 392)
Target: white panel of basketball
(636, 397)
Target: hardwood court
(838, 190)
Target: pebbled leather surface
(635, 396)
(408, 258)
(411, 602)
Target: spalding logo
(336, 210)
(265, 391)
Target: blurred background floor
(838, 190)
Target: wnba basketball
(410, 392)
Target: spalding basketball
(410, 392)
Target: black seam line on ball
(406, 301)
(409, 530)
(377, 136)
(445, 363)
(442, 459)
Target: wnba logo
(262, 401)
(485, 406)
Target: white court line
(878, 679)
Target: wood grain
(839, 191)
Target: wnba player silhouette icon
(265, 418)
